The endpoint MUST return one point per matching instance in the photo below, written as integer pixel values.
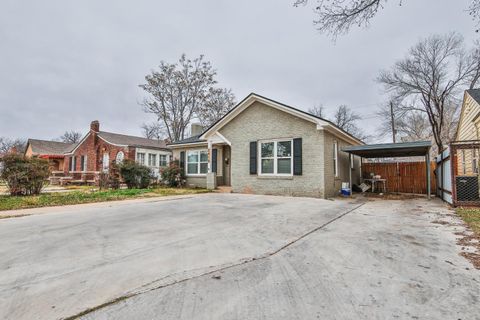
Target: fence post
(427, 166)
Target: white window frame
(84, 169)
(106, 162)
(154, 157)
(117, 160)
(275, 157)
(198, 152)
(335, 159)
(142, 156)
(160, 161)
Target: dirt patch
(392, 196)
(470, 246)
(442, 222)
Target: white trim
(181, 145)
(321, 124)
(335, 158)
(198, 174)
(79, 144)
(274, 158)
(113, 144)
(248, 102)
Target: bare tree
(476, 57)
(153, 130)
(218, 102)
(176, 91)
(336, 17)
(71, 137)
(430, 77)
(474, 11)
(318, 110)
(347, 120)
(12, 145)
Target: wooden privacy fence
(405, 177)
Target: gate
(443, 173)
(402, 177)
(464, 157)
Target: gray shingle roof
(192, 139)
(475, 94)
(47, 147)
(132, 141)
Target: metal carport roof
(390, 150)
(393, 150)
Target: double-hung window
(162, 160)
(335, 158)
(197, 162)
(276, 157)
(141, 158)
(83, 163)
(152, 160)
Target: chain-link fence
(465, 167)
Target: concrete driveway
(229, 256)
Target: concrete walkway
(69, 259)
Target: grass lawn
(87, 196)
(471, 217)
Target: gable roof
(46, 147)
(475, 94)
(192, 139)
(131, 141)
(253, 97)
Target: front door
(226, 165)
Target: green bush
(24, 176)
(173, 175)
(135, 175)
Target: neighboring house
(469, 131)
(53, 151)
(96, 151)
(263, 146)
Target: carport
(392, 150)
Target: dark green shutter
(70, 163)
(74, 163)
(182, 159)
(253, 157)
(214, 160)
(297, 156)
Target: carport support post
(427, 165)
(350, 173)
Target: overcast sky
(65, 63)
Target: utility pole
(393, 122)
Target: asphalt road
(68, 260)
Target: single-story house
(53, 151)
(266, 147)
(94, 153)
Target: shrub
(173, 175)
(110, 179)
(24, 176)
(135, 175)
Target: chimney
(95, 126)
(196, 129)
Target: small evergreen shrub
(135, 175)
(24, 176)
(173, 175)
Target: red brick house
(83, 161)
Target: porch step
(223, 189)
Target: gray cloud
(64, 63)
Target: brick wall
(259, 122)
(94, 148)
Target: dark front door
(227, 163)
